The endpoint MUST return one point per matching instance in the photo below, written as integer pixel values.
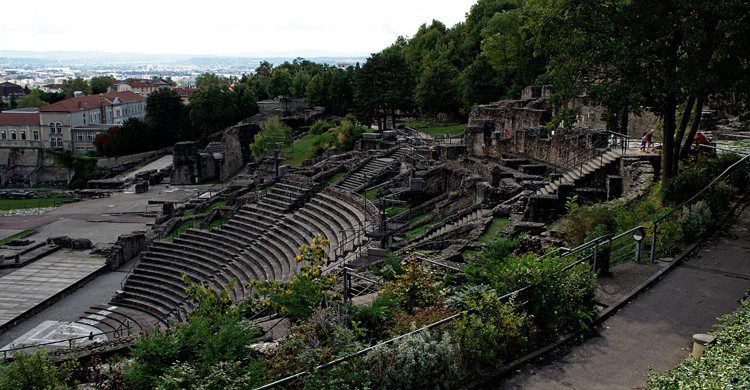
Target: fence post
(653, 243)
(346, 284)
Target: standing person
(650, 139)
(644, 141)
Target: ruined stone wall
(591, 116)
(184, 163)
(235, 145)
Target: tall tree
(384, 88)
(72, 85)
(167, 117)
(101, 84)
(436, 91)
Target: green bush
(36, 371)
(483, 267)
(556, 300)
(719, 196)
(696, 222)
(669, 237)
(687, 183)
(423, 360)
(376, 319)
(320, 127)
(495, 332)
(724, 365)
(273, 134)
(586, 223)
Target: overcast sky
(220, 27)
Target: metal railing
(734, 173)
(117, 333)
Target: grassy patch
(302, 149)
(334, 179)
(493, 230)
(370, 194)
(12, 204)
(416, 218)
(194, 223)
(17, 236)
(396, 209)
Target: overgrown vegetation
(725, 363)
(17, 236)
(341, 134)
(36, 371)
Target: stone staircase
(578, 175)
(364, 175)
(468, 218)
(259, 243)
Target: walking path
(656, 328)
(30, 286)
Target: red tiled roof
(19, 119)
(91, 102)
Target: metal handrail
(397, 338)
(70, 341)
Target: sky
(220, 27)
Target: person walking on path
(650, 139)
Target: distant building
(20, 128)
(60, 121)
(143, 87)
(8, 91)
(184, 93)
(52, 88)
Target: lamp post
(638, 235)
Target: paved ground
(161, 163)
(31, 285)
(656, 328)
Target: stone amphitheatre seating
(360, 178)
(259, 242)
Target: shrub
(417, 287)
(719, 196)
(557, 300)
(375, 320)
(422, 316)
(687, 183)
(482, 267)
(494, 332)
(35, 371)
(669, 237)
(421, 360)
(585, 223)
(307, 289)
(320, 127)
(696, 222)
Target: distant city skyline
(221, 27)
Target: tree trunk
(694, 127)
(681, 133)
(624, 120)
(667, 148)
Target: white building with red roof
(73, 123)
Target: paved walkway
(33, 284)
(656, 328)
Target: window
(84, 119)
(79, 136)
(23, 135)
(58, 126)
(90, 136)
(52, 142)
(12, 134)
(51, 128)
(35, 135)
(3, 135)
(59, 142)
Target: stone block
(533, 169)
(614, 187)
(542, 208)
(141, 187)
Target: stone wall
(591, 116)
(184, 163)
(126, 248)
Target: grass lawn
(396, 209)
(302, 149)
(17, 236)
(493, 230)
(419, 217)
(437, 129)
(334, 178)
(370, 194)
(11, 204)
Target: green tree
(167, 118)
(101, 84)
(281, 84)
(273, 135)
(384, 87)
(479, 84)
(33, 99)
(436, 91)
(207, 80)
(71, 85)
(213, 108)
